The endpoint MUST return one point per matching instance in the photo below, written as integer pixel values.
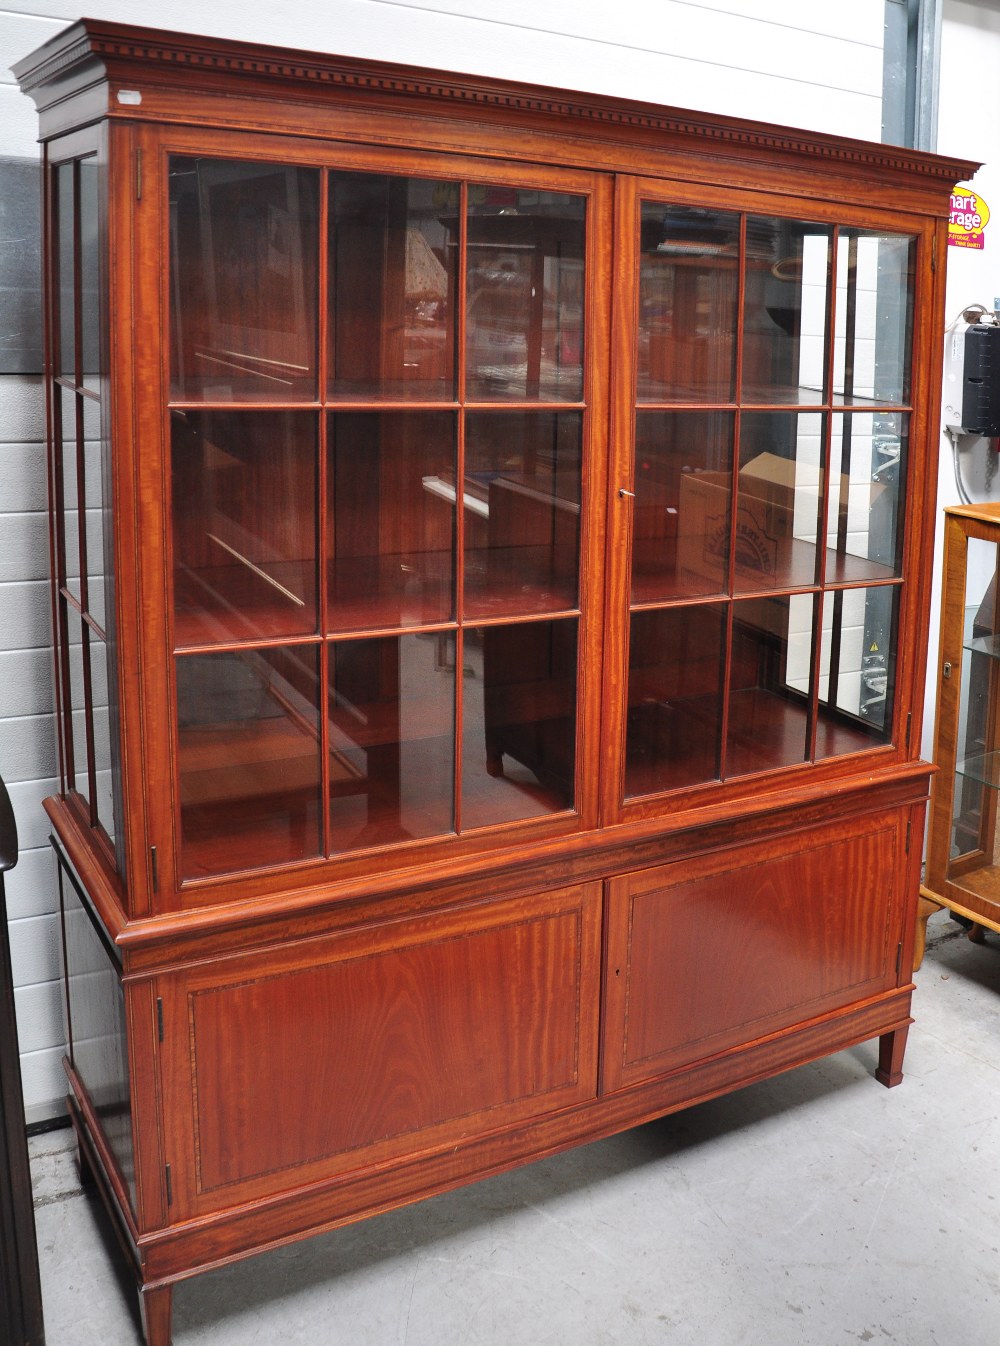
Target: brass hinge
(138, 175)
(909, 833)
(159, 1017)
(170, 1184)
(154, 869)
(899, 959)
(909, 724)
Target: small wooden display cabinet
(490, 539)
(963, 847)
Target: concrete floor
(812, 1210)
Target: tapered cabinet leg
(156, 1304)
(891, 1047)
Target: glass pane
(769, 684)
(104, 796)
(868, 466)
(248, 756)
(75, 703)
(245, 520)
(243, 240)
(391, 518)
(90, 277)
(977, 763)
(779, 499)
(518, 721)
(393, 262)
(66, 244)
(93, 489)
(785, 311)
(683, 482)
(687, 303)
(857, 669)
(522, 512)
(69, 405)
(875, 278)
(392, 740)
(525, 292)
(674, 698)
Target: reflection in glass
(977, 761)
(245, 518)
(681, 512)
(524, 295)
(392, 286)
(687, 303)
(674, 698)
(243, 241)
(104, 790)
(97, 1023)
(867, 465)
(248, 756)
(779, 500)
(391, 518)
(519, 721)
(77, 769)
(90, 277)
(875, 278)
(857, 669)
(69, 404)
(768, 684)
(522, 512)
(392, 733)
(785, 311)
(66, 227)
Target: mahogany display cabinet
(491, 550)
(963, 856)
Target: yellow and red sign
(969, 217)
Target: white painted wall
(813, 66)
(968, 125)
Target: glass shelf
(984, 769)
(988, 645)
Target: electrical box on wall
(972, 380)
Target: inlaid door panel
(704, 957)
(331, 1056)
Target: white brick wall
(818, 67)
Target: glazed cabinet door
(329, 1058)
(718, 953)
(762, 418)
(383, 460)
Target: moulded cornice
(122, 50)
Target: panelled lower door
(330, 1057)
(708, 955)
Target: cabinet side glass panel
(243, 272)
(249, 757)
(688, 291)
(393, 248)
(519, 692)
(524, 295)
(244, 490)
(977, 767)
(391, 734)
(391, 528)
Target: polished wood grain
(470, 807)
